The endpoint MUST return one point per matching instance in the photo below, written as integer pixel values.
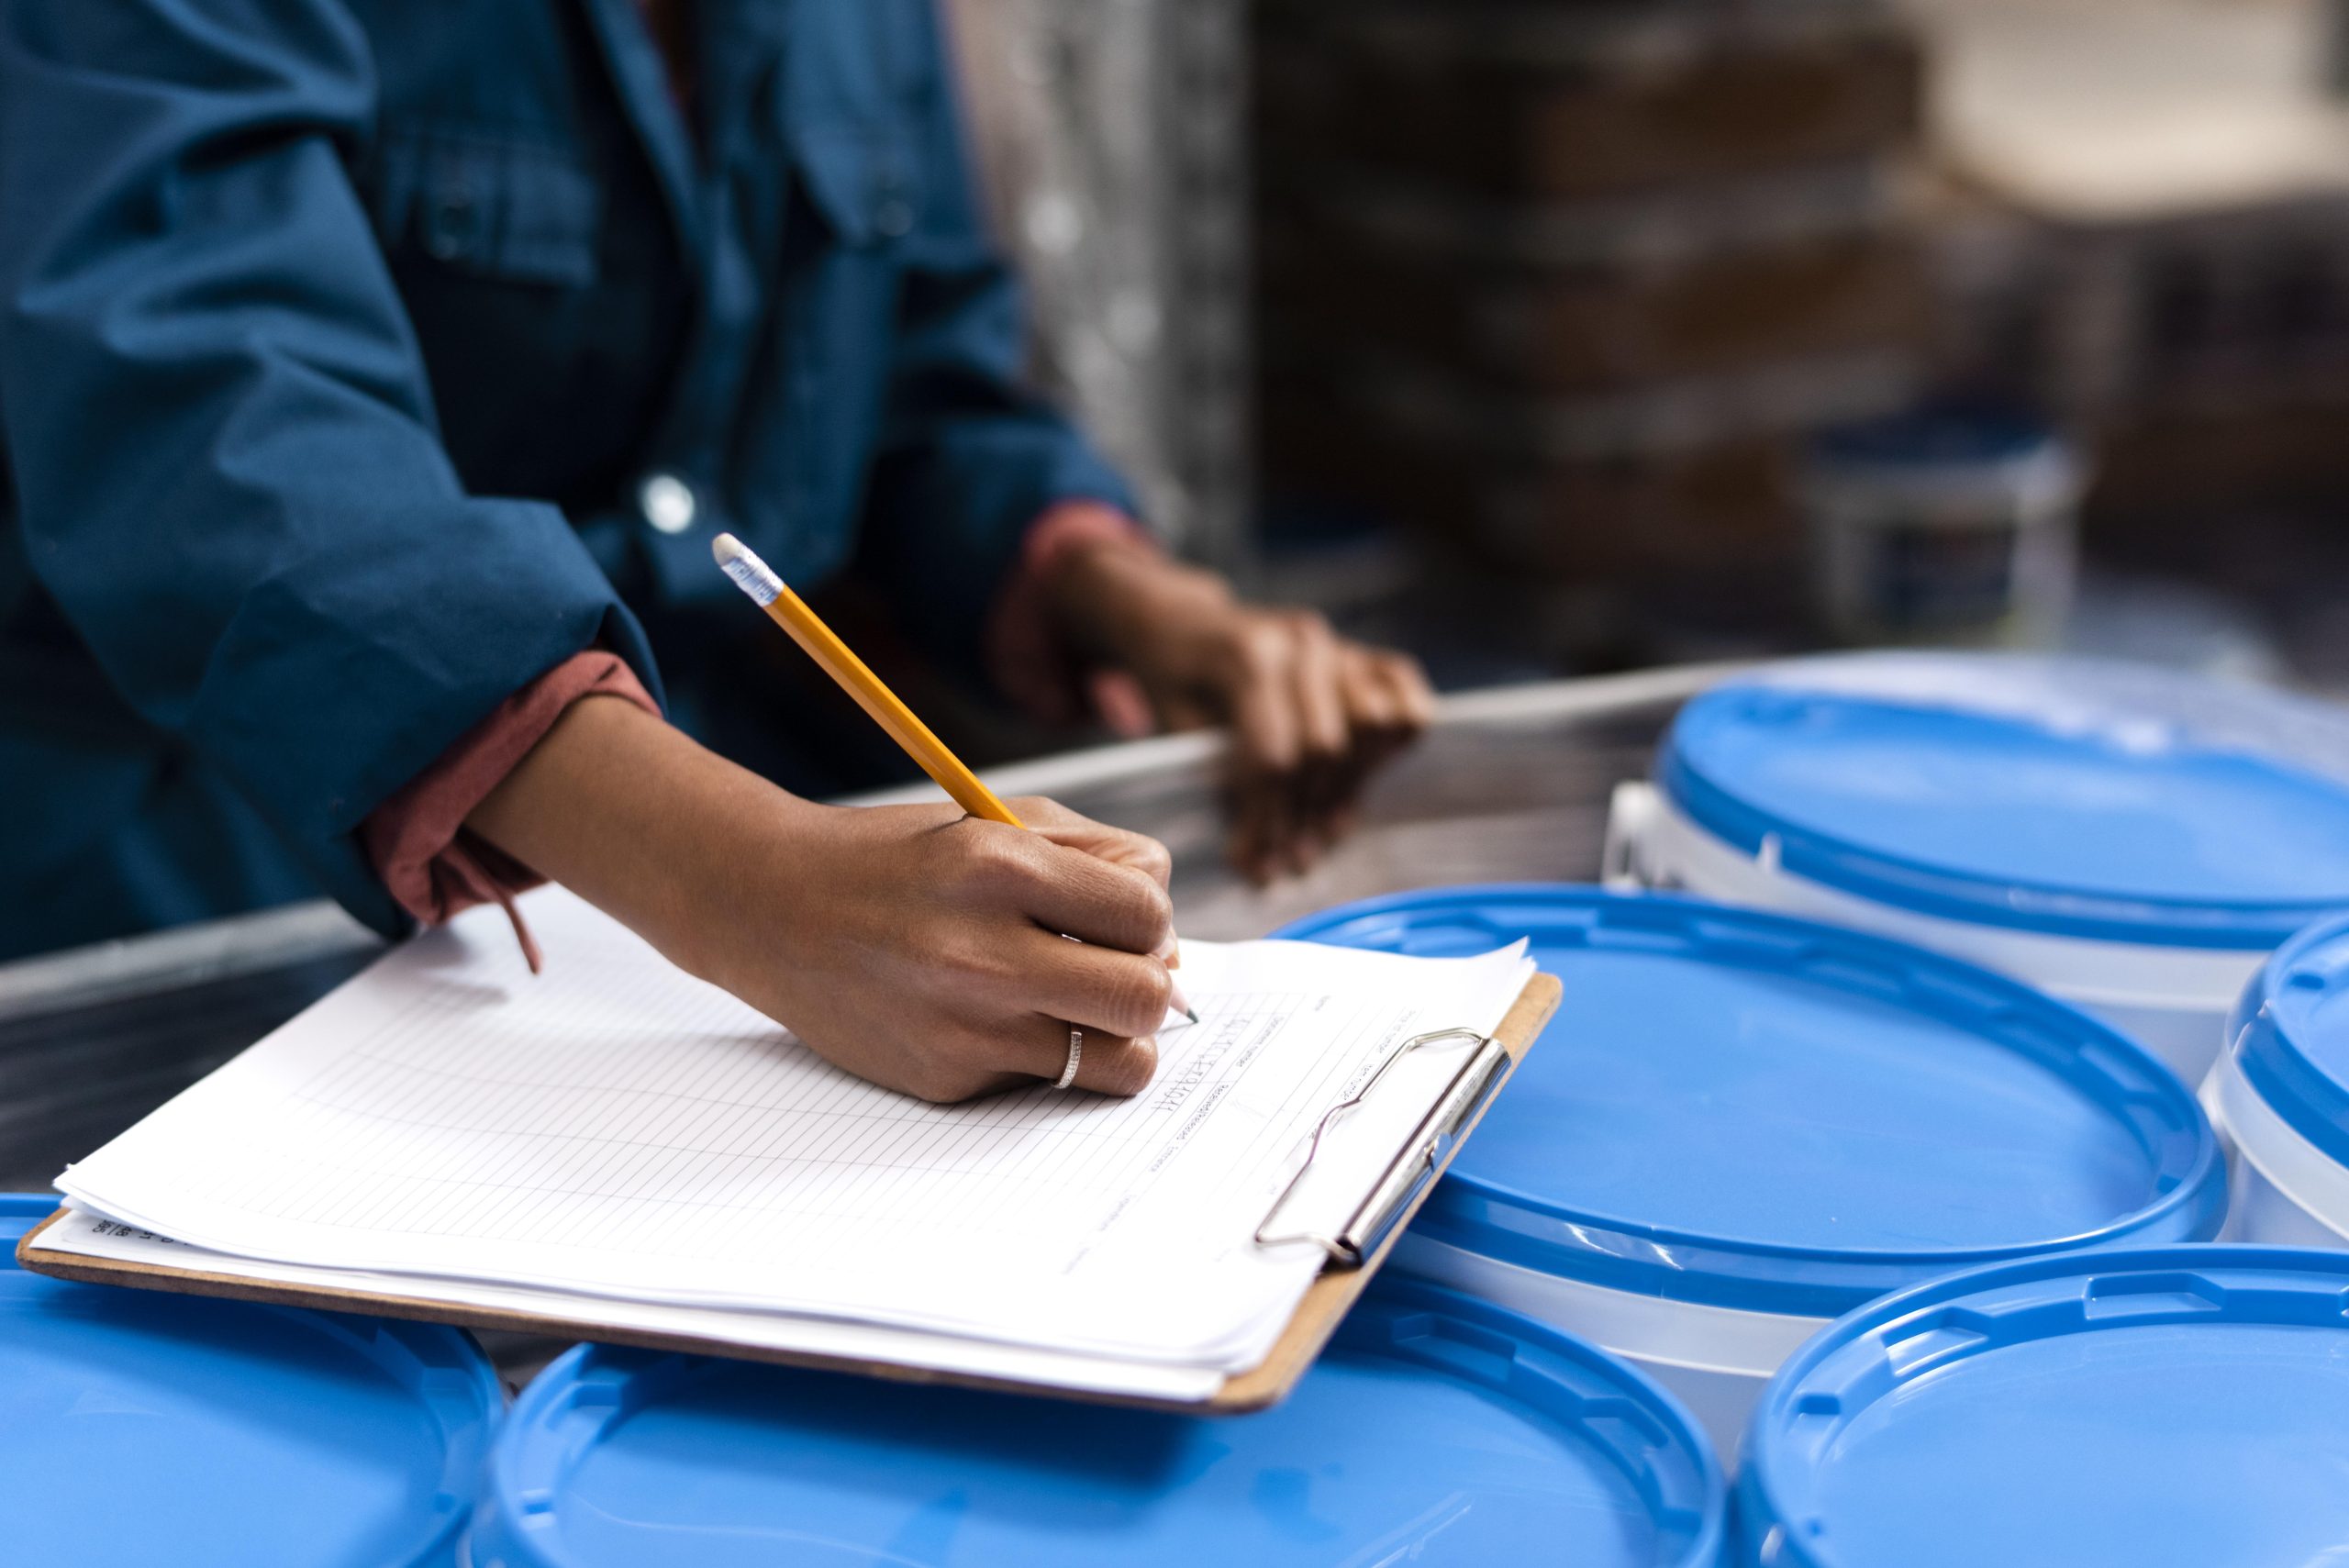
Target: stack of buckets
(1867, 1131)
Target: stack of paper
(615, 1143)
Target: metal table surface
(1511, 783)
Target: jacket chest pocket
(493, 206)
(866, 182)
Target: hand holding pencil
(926, 947)
(932, 755)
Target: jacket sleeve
(970, 457)
(228, 470)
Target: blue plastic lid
(1753, 1111)
(1948, 435)
(144, 1429)
(2062, 796)
(1435, 1430)
(2290, 1035)
(2180, 1407)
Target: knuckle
(1133, 1069)
(1153, 859)
(999, 861)
(1039, 809)
(1136, 999)
(1153, 911)
(1265, 645)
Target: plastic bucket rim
(1912, 884)
(1761, 1463)
(529, 1460)
(2200, 1184)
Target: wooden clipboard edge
(1317, 1316)
(1333, 1294)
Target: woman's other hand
(1312, 713)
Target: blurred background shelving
(1509, 328)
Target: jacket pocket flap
(489, 204)
(866, 182)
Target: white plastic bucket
(1741, 1124)
(2130, 841)
(1715, 1360)
(1946, 524)
(2173, 1001)
(2279, 1096)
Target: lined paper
(616, 1129)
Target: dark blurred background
(1558, 335)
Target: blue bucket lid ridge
(2029, 1128)
(2065, 797)
(243, 1431)
(1428, 1423)
(2172, 1408)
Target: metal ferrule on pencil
(750, 574)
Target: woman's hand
(917, 947)
(929, 950)
(1312, 713)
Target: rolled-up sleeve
(970, 457)
(222, 440)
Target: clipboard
(1355, 1252)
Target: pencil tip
(726, 549)
(1192, 1014)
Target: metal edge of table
(315, 928)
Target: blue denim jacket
(361, 360)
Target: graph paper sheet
(615, 1128)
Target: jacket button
(892, 217)
(452, 225)
(667, 503)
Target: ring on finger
(1075, 1055)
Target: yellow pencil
(787, 611)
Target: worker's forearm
(639, 820)
(910, 944)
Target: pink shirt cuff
(1030, 661)
(417, 840)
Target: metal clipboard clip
(1415, 1166)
